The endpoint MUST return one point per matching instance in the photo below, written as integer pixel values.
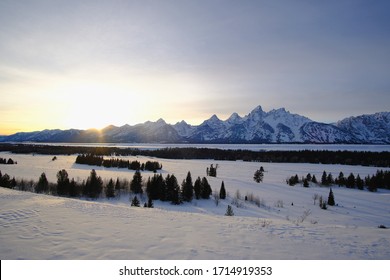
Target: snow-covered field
(46, 227)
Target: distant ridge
(275, 126)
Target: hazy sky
(83, 64)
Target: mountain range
(275, 126)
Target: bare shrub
(279, 204)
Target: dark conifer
(136, 183)
(187, 190)
(110, 189)
(258, 176)
(197, 188)
(205, 189)
(324, 178)
(94, 185)
(135, 202)
(63, 183)
(222, 191)
(43, 184)
(331, 201)
(229, 211)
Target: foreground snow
(45, 227)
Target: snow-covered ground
(45, 227)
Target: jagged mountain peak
(234, 118)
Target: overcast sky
(83, 64)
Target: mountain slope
(275, 126)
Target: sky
(88, 64)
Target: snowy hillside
(287, 225)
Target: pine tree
(314, 179)
(110, 189)
(63, 184)
(93, 186)
(324, 178)
(43, 184)
(187, 191)
(173, 189)
(74, 189)
(222, 191)
(197, 188)
(205, 189)
(136, 183)
(341, 179)
(135, 202)
(350, 181)
(306, 183)
(359, 183)
(331, 201)
(229, 211)
(258, 176)
(150, 203)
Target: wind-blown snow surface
(36, 226)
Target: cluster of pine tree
(6, 181)
(212, 171)
(380, 180)
(9, 161)
(91, 159)
(304, 180)
(168, 189)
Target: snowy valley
(287, 224)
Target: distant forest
(378, 159)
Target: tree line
(156, 187)
(365, 158)
(91, 159)
(9, 161)
(380, 180)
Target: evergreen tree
(150, 203)
(74, 189)
(324, 178)
(63, 184)
(13, 183)
(314, 179)
(43, 184)
(350, 181)
(94, 185)
(306, 183)
(135, 202)
(222, 191)
(341, 179)
(5, 181)
(205, 189)
(110, 189)
(359, 183)
(331, 201)
(187, 190)
(329, 179)
(173, 189)
(229, 211)
(197, 188)
(212, 171)
(136, 183)
(258, 176)
(117, 185)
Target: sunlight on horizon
(97, 101)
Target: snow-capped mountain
(275, 126)
(373, 128)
